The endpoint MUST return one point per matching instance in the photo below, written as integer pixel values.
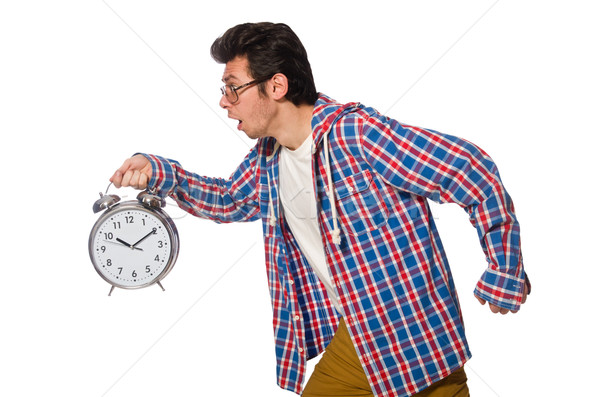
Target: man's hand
(501, 310)
(135, 172)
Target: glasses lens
(229, 93)
(232, 95)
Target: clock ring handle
(149, 198)
(105, 201)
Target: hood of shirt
(326, 112)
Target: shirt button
(296, 318)
(291, 282)
(301, 350)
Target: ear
(279, 86)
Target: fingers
(498, 309)
(134, 172)
(117, 178)
(135, 179)
(493, 308)
(482, 301)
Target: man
(351, 246)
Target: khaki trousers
(340, 374)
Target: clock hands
(145, 237)
(125, 243)
(132, 246)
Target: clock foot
(160, 285)
(111, 290)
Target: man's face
(253, 110)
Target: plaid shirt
(389, 269)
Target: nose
(224, 103)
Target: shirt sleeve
(446, 169)
(217, 199)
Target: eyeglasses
(230, 91)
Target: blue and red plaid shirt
(388, 267)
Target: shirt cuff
(164, 175)
(501, 289)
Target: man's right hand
(135, 172)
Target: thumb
(116, 178)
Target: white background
(85, 84)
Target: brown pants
(340, 374)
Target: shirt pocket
(360, 204)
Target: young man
(351, 246)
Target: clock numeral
(108, 236)
(103, 249)
(108, 262)
(133, 274)
(129, 218)
(116, 225)
(120, 270)
(156, 258)
(148, 269)
(160, 244)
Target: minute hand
(143, 238)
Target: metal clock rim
(164, 218)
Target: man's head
(270, 48)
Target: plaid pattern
(390, 270)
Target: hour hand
(123, 242)
(127, 244)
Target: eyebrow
(228, 78)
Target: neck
(293, 125)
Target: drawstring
(272, 217)
(330, 193)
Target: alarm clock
(134, 244)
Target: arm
(221, 200)
(446, 169)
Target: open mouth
(239, 125)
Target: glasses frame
(234, 89)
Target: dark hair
(270, 48)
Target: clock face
(132, 247)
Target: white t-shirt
(297, 195)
